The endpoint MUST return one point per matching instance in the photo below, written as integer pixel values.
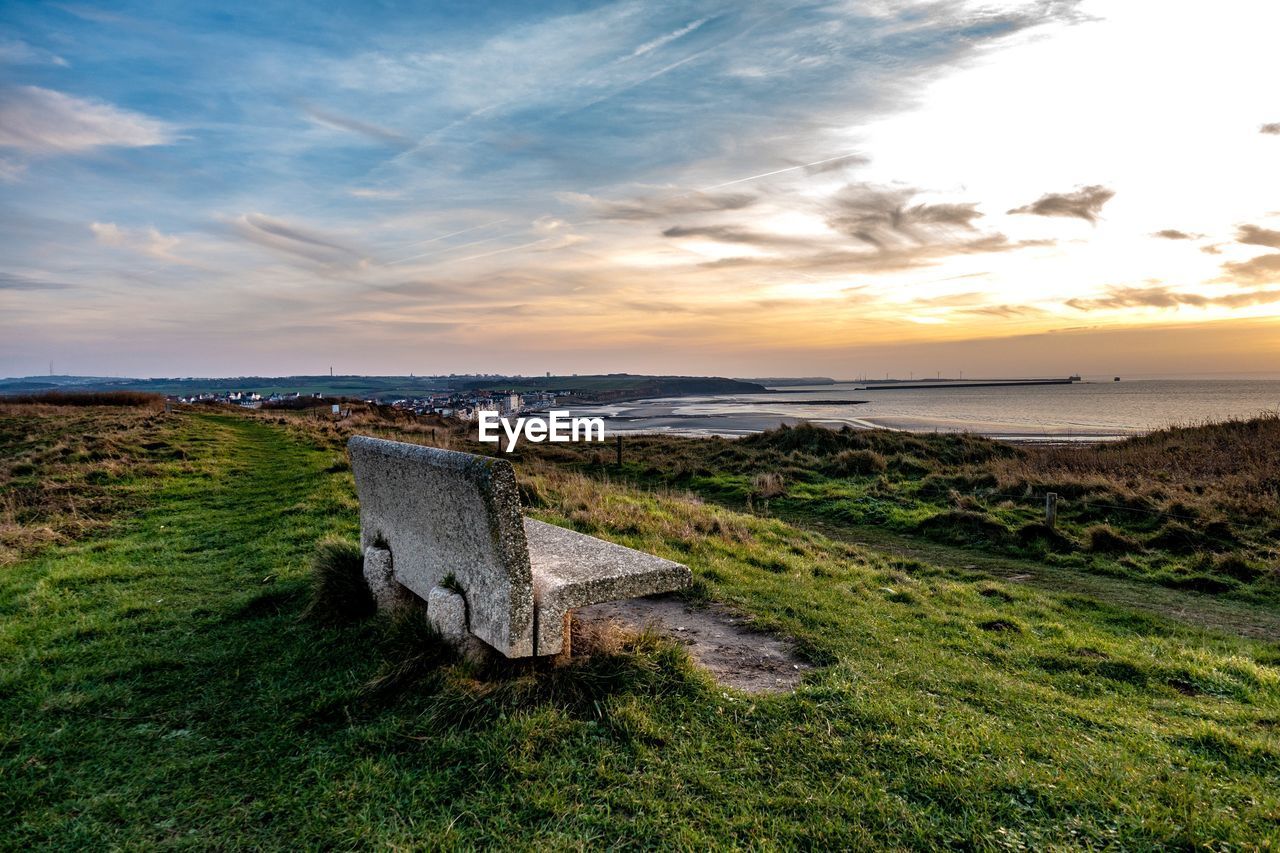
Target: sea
(1087, 411)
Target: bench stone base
(447, 613)
(379, 574)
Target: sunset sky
(725, 188)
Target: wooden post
(619, 451)
(1051, 509)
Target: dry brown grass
(57, 466)
(591, 506)
(1230, 468)
(767, 485)
(87, 398)
(377, 421)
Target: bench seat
(571, 569)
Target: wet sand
(1058, 413)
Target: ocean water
(1084, 411)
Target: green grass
(1191, 508)
(158, 687)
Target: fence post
(619, 451)
(1051, 509)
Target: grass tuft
(1105, 539)
(339, 592)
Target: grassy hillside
(158, 684)
(1194, 508)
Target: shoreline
(1038, 439)
(1046, 414)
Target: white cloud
(42, 121)
(368, 192)
(18, 52)
(146, 241)
(11, 170)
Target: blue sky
(699, 187)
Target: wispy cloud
(838, 160)
(19, 52)
(42, 121)
(1175, 234)
(298, 241)
(1255, 235)
(732, 234)
(654, 44)
(883, 217)
(374, 193)
(11, 169)
(660, 206)
(1166, 297)
(14, 281)
(1272, 128)
(369, 131)
(1085, 203)
(146, 241)
(1263, 269)
(886, 259)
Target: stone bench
(448, 528)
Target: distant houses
(461, 405)
(465, 405)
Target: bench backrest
(444, 513)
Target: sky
(845, 189)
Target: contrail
(497, 251)
(452, 248)
(777, 172)
(653, 45)
(453, 234)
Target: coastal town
(461, 405)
